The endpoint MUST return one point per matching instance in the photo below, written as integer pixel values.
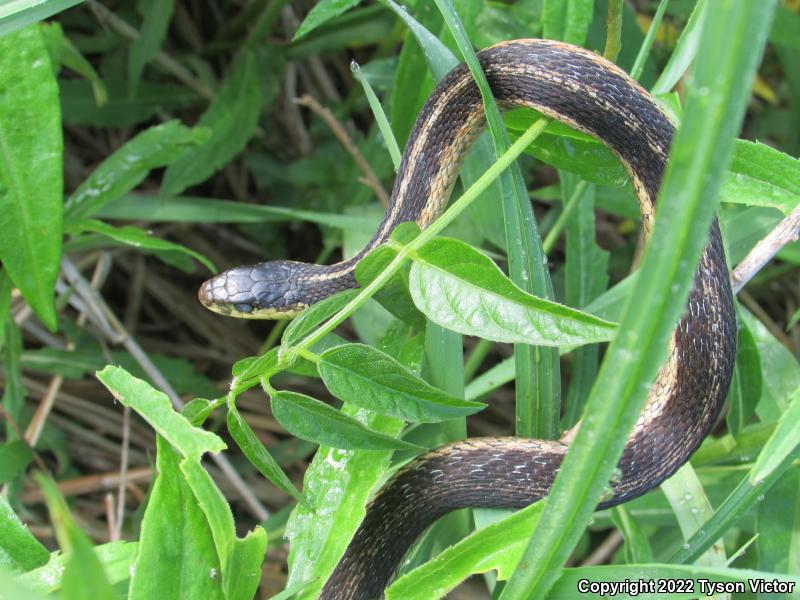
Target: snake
(591, 94)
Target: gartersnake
(592, 95)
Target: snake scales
(592, 95)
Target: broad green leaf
(139, 238)
(495, 547)
(315, 421)
(232, 119)
(157, 15)
(637, 545)
(738, 503)
(366, 377)
(461, 289)
(338, 484)
(129, 165)
(567, 20)
(83, 576)
(31, 170)
(777, 520)
(763, 176)
(745, 390)
(785, 28)
(16, 14)
(691, 506)
(730, 47)
(155, 408)
(117, 559)
(19, 550)
(782, 442)
(313, 316)
(15, 455)
(780, 369)
(240, 558)
(243, 573)
(11, 587)
(257, 454)
(176, 557)
(324, 11)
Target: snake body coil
(587, 92)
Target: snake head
(268, 290)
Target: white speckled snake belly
(587, 92)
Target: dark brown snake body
(587, 92)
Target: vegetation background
(145, 144)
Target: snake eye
(243, 307)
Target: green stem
(552, 236)
(475, 359)
(432, 230)
(644, 51)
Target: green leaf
(338, 484)
(72, 58)
(83, 576)
(240, 558)
(324, 11)
(730, 48)
(129, 165)
(461, 289)
(777, 519)
(15, 455)
(155, 408)
(232, 118)
(567, 20)
(176, 557)
(763, 176)
(782, 442)
(19, 550)
(495, 547)
(117, 559)
(745, 390)
(31, 180)
(139, 238)
(257, 454)
(366, 377)
(315, 421)
(157, 15)
(785, 28)
(16, 14)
